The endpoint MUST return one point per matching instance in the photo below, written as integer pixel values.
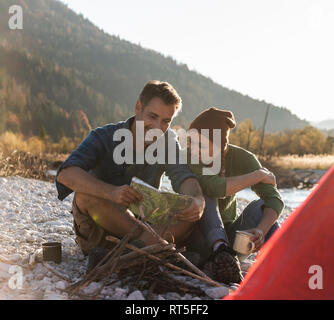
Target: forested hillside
(62, 76)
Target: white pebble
(120, 294)
(61, 285)
(217, 293)
(4, 267)
(92, 288)
(54, 296)
(136, 295)
(173, 296)
(46, 281)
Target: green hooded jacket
(238, 161)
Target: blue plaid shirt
(95, 155)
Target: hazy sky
(280, 51)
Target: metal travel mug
(52, 251)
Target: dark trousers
(211, 228)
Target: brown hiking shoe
(223, 266)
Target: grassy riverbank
(33, 157)
(305, 162)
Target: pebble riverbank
(31, 214)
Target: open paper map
(167, 202)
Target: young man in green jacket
(215, 232)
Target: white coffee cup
(242, 242)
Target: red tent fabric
(298, 260)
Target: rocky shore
(31, 214)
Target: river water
(292, 197)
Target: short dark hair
(162, 90)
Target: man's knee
(85, 201)
(255, 206)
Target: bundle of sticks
(152, 265)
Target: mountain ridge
(70, 65)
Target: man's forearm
(269, 217)
(79, 180)
(191, 187)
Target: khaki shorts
(88, 234)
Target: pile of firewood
(151, 267)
